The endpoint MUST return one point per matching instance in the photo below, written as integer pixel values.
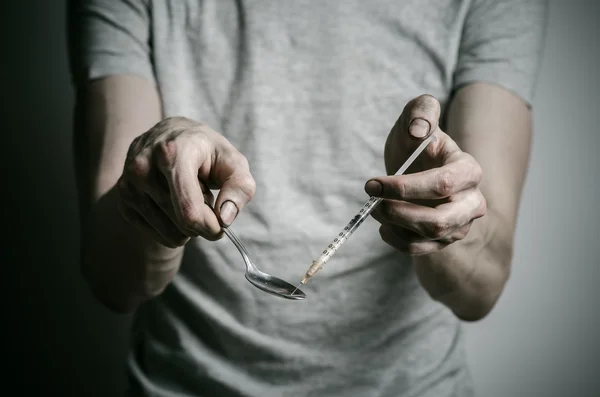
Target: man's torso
(307, 91)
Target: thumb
(419, 119)
(237, 186)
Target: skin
(145, 183)
(456, 210)
(144, 188)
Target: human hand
(164, 190)
(434, 204)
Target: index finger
(435, 183)
(179, 164)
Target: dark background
(540, 340)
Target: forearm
(469, 275)
(493, 126)
(122, 266)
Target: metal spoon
(261, 280)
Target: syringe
(364, 212)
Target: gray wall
(540, 340)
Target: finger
(458, 234)
(137, 169)
(433, 223)
(163, 200)
(472, 201)
(232, 173)
(179, 162)
(146, 175)
(413, 247)
(412, 237)
(420, 117)
(138, 221)
(436, 183)
(140, 175)
(160, 194)
(161, 222)
(143, 213)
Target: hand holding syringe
(364, 212)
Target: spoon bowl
(261, 280)
(274, 286)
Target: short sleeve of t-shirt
(502, 43)
(109, 37)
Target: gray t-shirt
(308, 91)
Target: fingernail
(228, 212)
(419, 128)
(373, 188)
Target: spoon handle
(239, 245)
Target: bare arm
(495, 127)
(456, 211)
(145, 188)
(122, 265)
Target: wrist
(123, 266)
(469, 275)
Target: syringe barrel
(345, 234)
(364, 212)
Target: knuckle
(248, 186)
(439, 228)
(414, 248)
(477, 171)
(166, 152)
(139, 167)
(243, 161)
(444, 183)
(234, 157)
(482, 208)
(463, 232)
(474, 167)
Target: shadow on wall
(60, 341)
